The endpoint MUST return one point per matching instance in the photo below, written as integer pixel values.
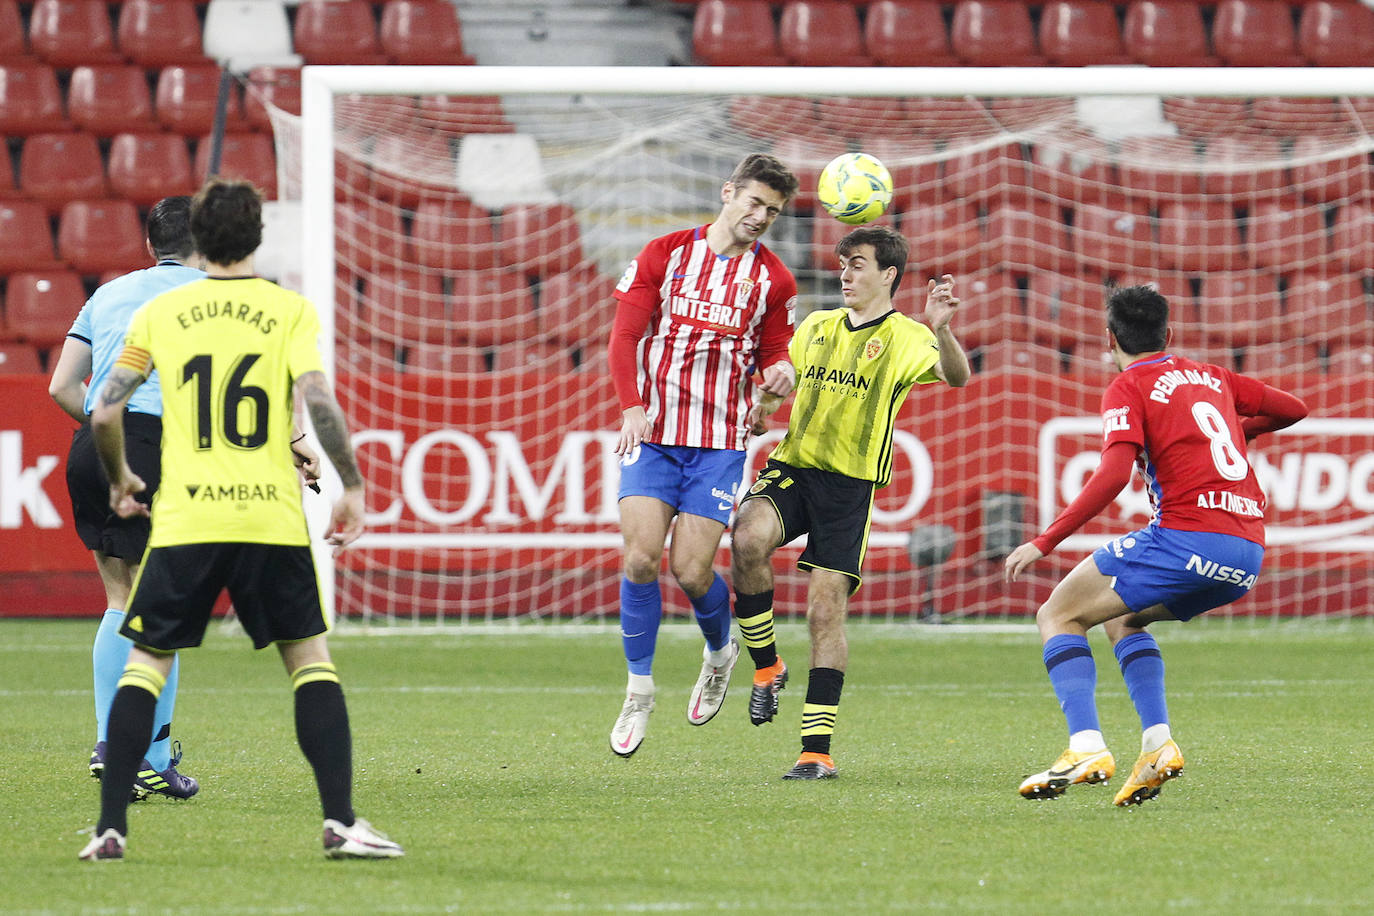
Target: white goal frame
(321, 84)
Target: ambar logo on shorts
(231, 492)
(1318, 476)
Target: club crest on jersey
(743, 290)
(873, 348)
(628, 277)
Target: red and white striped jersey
(705, 324)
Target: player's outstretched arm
(1277, 410)
(346, 518)
(107, 427)
(941, 306)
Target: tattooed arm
(331, 429)
(107, 425)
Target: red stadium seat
(410, 164)
(1241, 309)
(1081, 172)
(908, 33)
(249, 156)
(1066, 310)
(276, 86)
(492, 308)
(1255, 33)
(1113, 238)
(540, 239)
(1352, 235)
(337, 32)
(989, 172)
(527, 356)
(453, 234)
(1292, 117)
(1280, 360)
(8, 188)
(576, 307)
(110, 99)
(1329, 309)
(94, 236)
(187, 96)
(1336, 33)
(1029, 234)
(148, 167)
(863, 119)
(408, 307)
(13, 48)
(1159, 168)
(369, 236)
(40, 305)
(735, 33)
(445, 360)
(994, 33)
(769, 117)
(26, 241)
(375, 357)
(68, 33)
(1326, 176)
(19, 359)
(30, 100)
(965, 118)
(422, 32)
(1166, 33)
(57, 168)
(1263, 177)
(1200, 236)
(822, 33)
(463, 114)
(806, 156)
(1014, 356)
(160, 33)
(1204, 117)
(1075, 33)
(1286, 235)
(1357, 362)
(915, 170)
(945, 238)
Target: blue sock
(1143, 669)
(641, 609)
(713, 614)
(1069, 661)
(109, 655)
(160, 751)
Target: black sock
(324, 737)
(822, 705)
(755, 616)
(126, 738)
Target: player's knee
(693, 578)
(640, 567)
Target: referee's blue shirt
(104, 319)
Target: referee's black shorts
(98, 527)
(834, 510)
(275, 591)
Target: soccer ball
(855, 188)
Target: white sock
(1153, 738)
(1087, 741)
(718, 657)
(641, 684)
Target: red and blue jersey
(1185, 418)
(704, 322)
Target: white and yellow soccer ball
(855, 188)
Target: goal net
(464, 228)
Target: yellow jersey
(851, 381)
(227, 351)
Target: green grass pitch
(485, 754)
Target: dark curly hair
(226, 220)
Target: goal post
(481, 402)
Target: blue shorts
(695, 481)
(1188, 572)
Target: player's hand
(766, 406)
(307, 464)
(941, 303)
(632, 431)
(1019, 559)
(778, 379)
(122, 491)
(346, 519)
